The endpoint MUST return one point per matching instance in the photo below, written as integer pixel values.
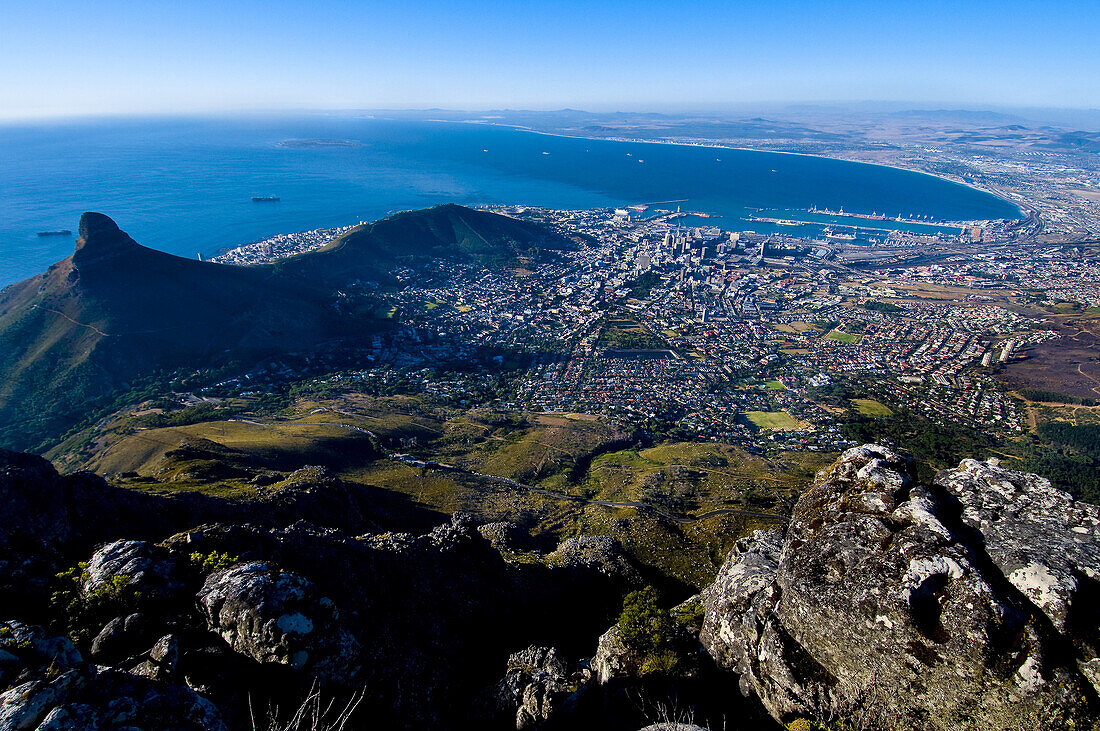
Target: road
(639, 506)
(576, 499)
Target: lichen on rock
(879, 601)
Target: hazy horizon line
(706, 110)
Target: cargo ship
(265, 199)
(838, 235)
(59, 232)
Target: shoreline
(713, 145)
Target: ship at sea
(59, 232)
(265, 199)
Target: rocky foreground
(968, 603)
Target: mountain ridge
(115, 310)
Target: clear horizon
(73, 59)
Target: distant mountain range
(115, 310)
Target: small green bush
(690, 617)
(209, 563)
(649, 632)
(643, 623)
(83, 615)
(662, 663)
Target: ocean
(185, 186)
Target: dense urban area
(767, 340)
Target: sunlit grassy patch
(843, 337)
(772, 419)
(870, 407)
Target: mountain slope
(443, 231)
(116, 310)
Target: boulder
(163, 659)
(1043, 541)
(56, 690)
(613, 659)
(878, 603)
(121, 638)
(141, 567)
(71, 717)
(276, 616)
(744, 590)
(26, 705)
(602, 554)
(537, 686)
(30, 646)
(504, 535)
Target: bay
(185, 186)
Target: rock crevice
(877, 602)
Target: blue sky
(129, 56)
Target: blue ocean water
(185, 185)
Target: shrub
(643, 623)
(84, 614)
(649, 632)
(662, 662)
(209, 563)
(690, 616)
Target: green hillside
(116, 311)
(447, 231)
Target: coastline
(713, 145)
(34, 255)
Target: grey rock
(744, 589)
(1044, 541)
(460, 533)
(139, 566)
(71, 717)
(166, 652)
(109, 637)
(121, 638)
(600, 553)
(26, 705)
(84, 697)
(872, 604)
(33, 646)
(537, 686)
(504, 535)
(275, 616)
(164, 659)
(613, 659)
